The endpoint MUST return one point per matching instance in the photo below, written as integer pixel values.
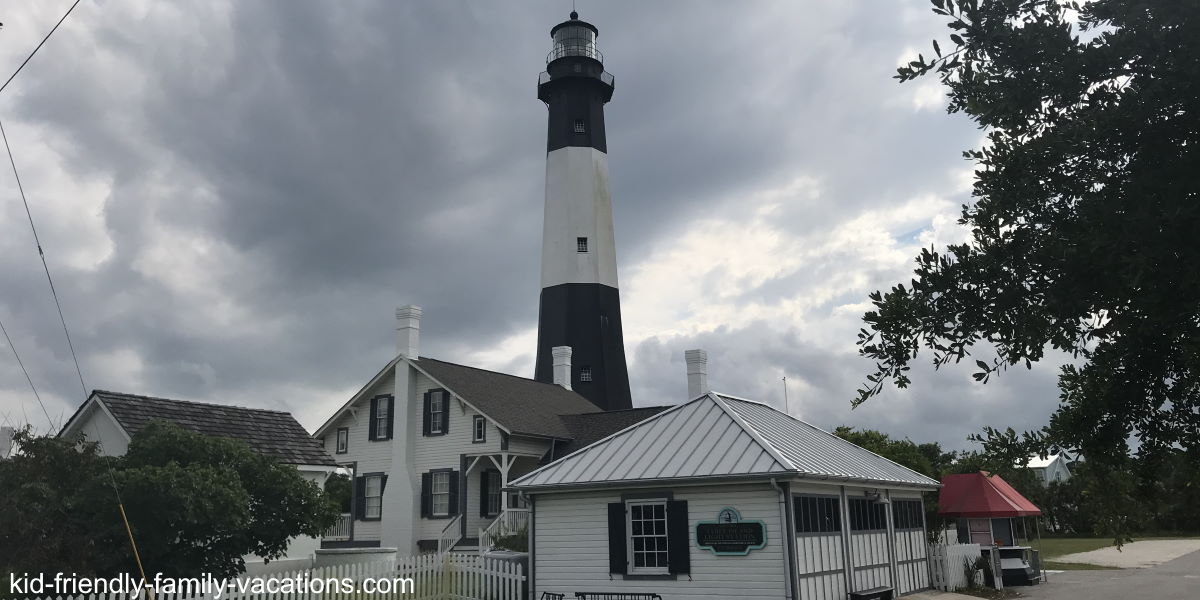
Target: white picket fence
(946, 565)
(423, 577)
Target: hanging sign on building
(730, 535)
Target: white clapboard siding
(869, 559)
(820, 564)
(571, 546)
(434, 577)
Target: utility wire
(137, 556)
(27, 378)
(42, 255)
(39, 46)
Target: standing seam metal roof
(717, 437)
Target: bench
(879, 593)
(615, 596)
(553, 596)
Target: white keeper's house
(432, 447)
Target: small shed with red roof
(985, 506)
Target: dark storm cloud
(270, 179)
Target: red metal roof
(983, 496)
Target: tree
(1084, 222)
(902, 452)
(339, 490)
(195, 504)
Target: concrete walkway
(936, 595)
(1178, 579)
(1137, 555)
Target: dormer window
(579, 126)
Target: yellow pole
(136, 556)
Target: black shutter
(445, 412)
(371, 422)
(618, 554)
(360, 497)
(678, 537)
(425, 416)
(452, 501)
(382, 485)
(483, 493)
(391, 415)
(426, 490)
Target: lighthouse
(580, 303)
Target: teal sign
(729, 535)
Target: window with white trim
(647, 528)
(374, 496)
(437, 412)
(493, 488)
(440, 494)
(479, 429)
(381, 418)
(343, 440)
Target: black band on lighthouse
(586, 317)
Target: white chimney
(697, 372)
(408, 330)
(562, 365)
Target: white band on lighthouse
(578, 245)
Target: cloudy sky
(234, 196)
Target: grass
(1054, 547)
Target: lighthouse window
(579, 126)
(585, 373)
(581, 244)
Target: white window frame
(342, 445)
(383, 411)
(665, 568)
(373, 499)
(439, 479)
(478, 429)
(493, 497)
(437, 409)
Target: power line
(39, 46)
(42, 255)
(27, 378)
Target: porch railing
(510, 522)
(451, 534)
(340, 530)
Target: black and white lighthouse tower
(580, 305)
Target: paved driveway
(1178, 579)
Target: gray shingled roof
(719, 437)
(522, 406)
(269, 432)
(589, 428)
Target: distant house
(113, 418)
(1052, 468)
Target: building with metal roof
(725, 497)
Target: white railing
(510, 522)
(451, 534)
(340, 530)
(946, 565)
(423, 577)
